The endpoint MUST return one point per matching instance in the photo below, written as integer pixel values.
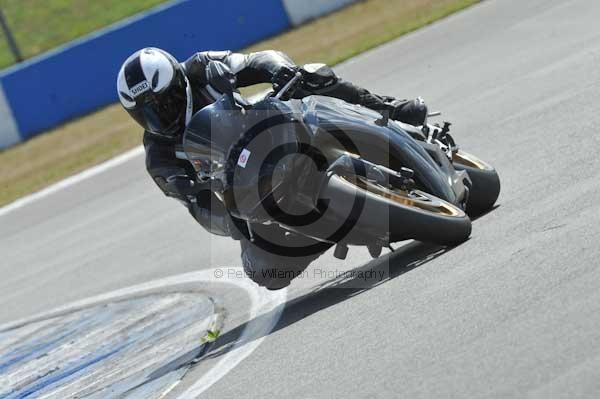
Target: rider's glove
(283, 77)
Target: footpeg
(407, 183)
(445, 130)
(440, 135)
(407, 173)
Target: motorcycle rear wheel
(486, 182)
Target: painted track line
(263, 303)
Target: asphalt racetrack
(514, 312)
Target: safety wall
(301, 11)
(80, 77)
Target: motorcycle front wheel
(402, 214)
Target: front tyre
(403, 214)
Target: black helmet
(154, 90)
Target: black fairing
(215, 127)
(265, 134)
(273, 128)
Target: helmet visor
(164, 113)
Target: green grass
(82, 143)
(40, 25)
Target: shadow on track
(330, 293)
(323, 296)
(474, 218)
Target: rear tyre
(486, 183)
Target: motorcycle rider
(162, 95)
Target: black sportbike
(335, 173)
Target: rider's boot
(413, 112)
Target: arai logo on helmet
(140, 88)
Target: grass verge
(85, 142)
(41, 25)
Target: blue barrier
(80, 77)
